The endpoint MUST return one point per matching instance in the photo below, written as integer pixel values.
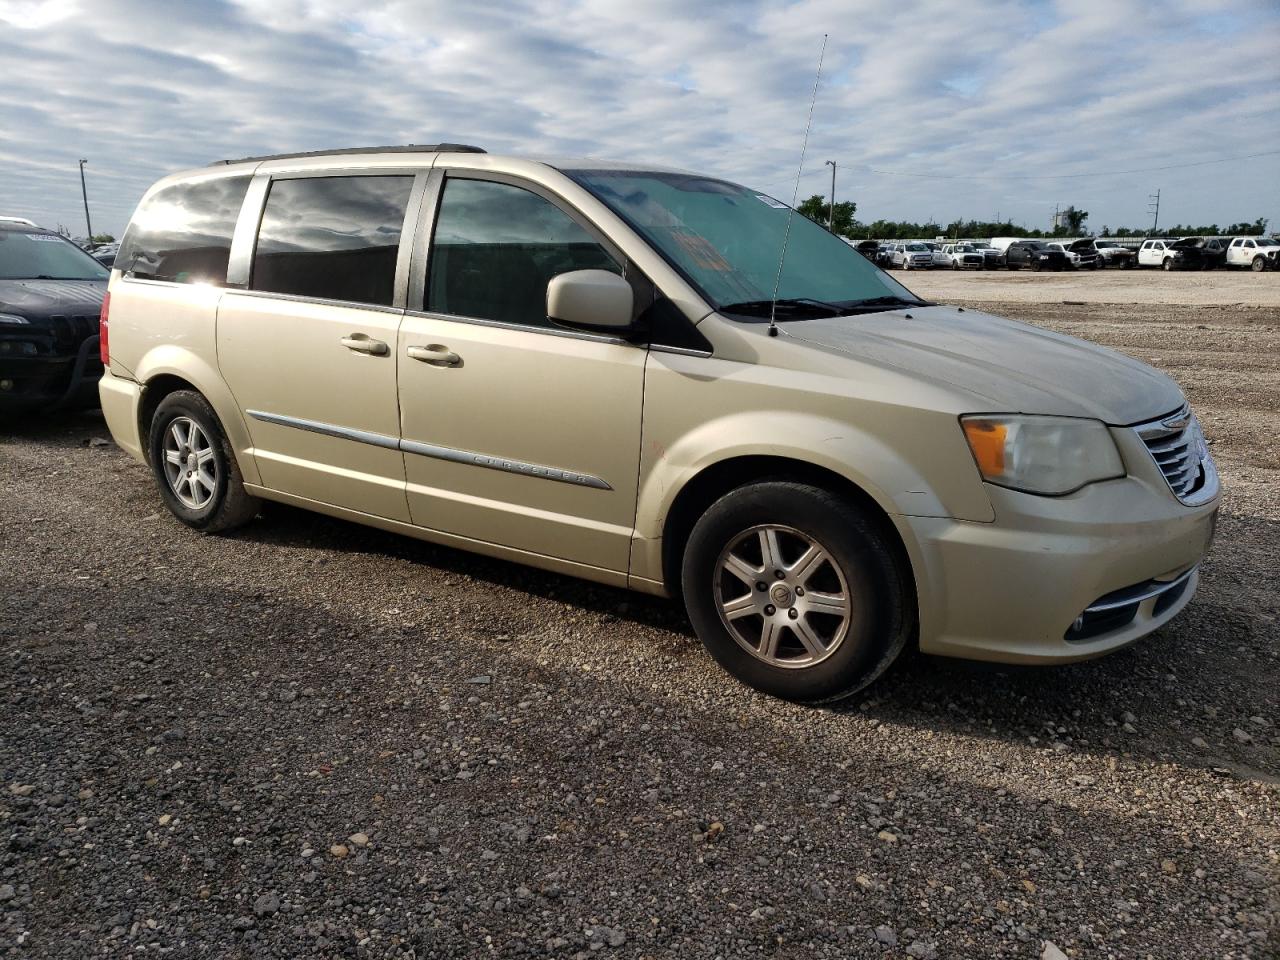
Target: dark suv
(1036, 255)
(50, 298)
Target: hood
(1014, 367)
(35, 299)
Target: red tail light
(104, 350)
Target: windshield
(966, 248)
(917, 248)
(45, 256)
(727, 240)
(982, 246)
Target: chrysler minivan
(614, 371)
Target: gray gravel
(315, 739)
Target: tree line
(1071, 223)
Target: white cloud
(1001, 88)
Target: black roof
(25, 228)
(402, 148)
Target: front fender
(892, 480)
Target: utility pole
(1154, 205)
(84, 192)
(831, 212)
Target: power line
(1047, 176)
(1072, 176)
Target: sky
(932, 110)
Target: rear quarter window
(183, 232)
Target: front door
(516, 432)
(309, 350)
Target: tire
(213, 499)
(861, 641)
(1259, 264)
(1035, 265)
(1168, 264)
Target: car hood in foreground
(1015, 367)
(36, 299)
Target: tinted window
(332, 237)
(38, 255)
(496, 247)
(183, 232)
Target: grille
(70, 331)
(1176, 443)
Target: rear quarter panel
(159, 328)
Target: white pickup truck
(1257, 253)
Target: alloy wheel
(782, 596)
(189, 463)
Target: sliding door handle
(363, 343)
(436, 354)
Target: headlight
(12, 318)
(1045, 455)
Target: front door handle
(363, 343)
(436, 354)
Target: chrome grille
(1176, 444)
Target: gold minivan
(611, 371)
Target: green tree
(817, 209)
(99, 238)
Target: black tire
(882, 618)
(229, 506)
(1259, 264)
(1168, 264)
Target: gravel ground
(316, 739)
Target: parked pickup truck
(1034, 254)
(1256, 253)
(50, 299)
(1171, 254)
(1116, 255)
(1081, 253)
(911, 256)
(964, 256)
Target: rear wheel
(195, 467)
(795, 591)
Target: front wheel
(1168, 264)
(795, 591)
(1259, 264)
(195, 467)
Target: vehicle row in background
(1085, 253)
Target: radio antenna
(795, 194)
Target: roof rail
(402, 148)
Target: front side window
(495, 249)
(37, 255)
(333, 238)
(182, 233)
(728, 240)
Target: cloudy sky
(947, 109)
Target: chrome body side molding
(450, 454)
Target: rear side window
(334, 238)
(183, 233)
(497, 246)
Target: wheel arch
(720, 478)
(171, 369)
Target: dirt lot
(1192, 288)
(315, 739)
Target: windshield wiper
(872, 303)
(789, 305)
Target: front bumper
(1012, 591)
(34, 376)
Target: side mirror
(590, 300)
